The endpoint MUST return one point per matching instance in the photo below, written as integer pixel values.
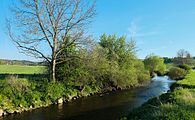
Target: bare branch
(54, 24)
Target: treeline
(180, 65)
(182, 57)
(20, 62)
(107, 65)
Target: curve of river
(107, 107)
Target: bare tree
(43, 28)
(183, 57)
(182, 53)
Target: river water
(110, 106)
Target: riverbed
(110, 106)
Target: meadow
(19, 69)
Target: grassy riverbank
(18, 94)
(178, 104)
(33, 90)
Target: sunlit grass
(189, 79)
(17, 69)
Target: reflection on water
(108, 107)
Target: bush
(86, 90)
(177, 73)
(125, 78)
(4, 101)
(185, 67)
(143, 77)
(18, 84)
(33, 98)
(155, 64)
(55, 90)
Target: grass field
(189, 79)
(176, 105)
(16, 69)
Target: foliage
(55, 90)
(178, 104)
(21, 85)
(169, 66)
(185, 67)
(110, 63)
(124, 68)
(168, 60)
(155, 64)
(56, 25)
(177, 73)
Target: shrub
(4, 101)
(33, 98)
(86, 90)
(70, 92)
(7, 91)
(126, 78)
(177, 73)
(20, 85)
(19, 101)
(185, 67)
(143, 77)
(155, 64)
(55, 90)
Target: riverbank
(107, 106)
(18, 95)
(179, 103)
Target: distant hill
(20, 62)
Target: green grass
(16, 69)
(189, 79)
(176, 105)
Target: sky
(161, 27)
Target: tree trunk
(53, 71)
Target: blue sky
(161, 27)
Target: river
(110, 106)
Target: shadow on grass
(27, 76)
(181, 86)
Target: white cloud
(135, 30)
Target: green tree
(111, 63)
(123, 63)
(154, 64)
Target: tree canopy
(154, 64)
(47, 27)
